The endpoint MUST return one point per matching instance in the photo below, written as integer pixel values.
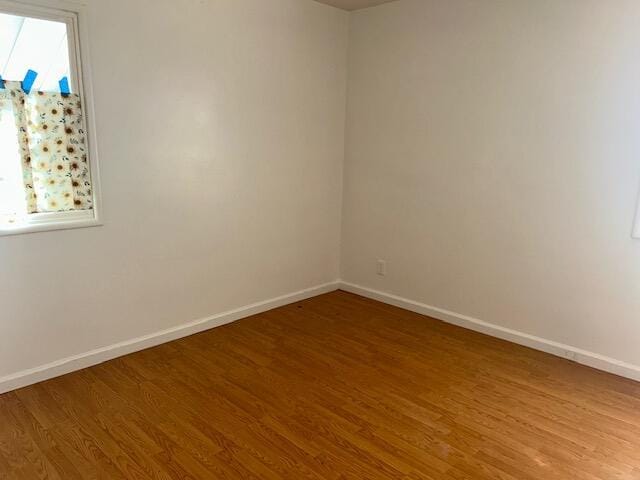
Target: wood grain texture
(337, 387)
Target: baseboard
(94, 357)
(578, 355)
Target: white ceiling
(354, 4)
(39, 45)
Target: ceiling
(33, 44)
(354, 4)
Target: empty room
(320, 239)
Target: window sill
(45, 222)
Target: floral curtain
(53, 148)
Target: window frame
(74, 15)
(636, 223)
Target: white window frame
(636, 224)
(74, 15)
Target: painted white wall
(220, 128)
(493, 160)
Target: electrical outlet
(381, 268)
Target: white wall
(220, 127)
(493, 159)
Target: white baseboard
(578, 355)
(100, 355)
(94, 357)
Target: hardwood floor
(336, 387)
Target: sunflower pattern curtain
(53, 148)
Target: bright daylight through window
(45, 162)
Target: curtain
(53, 148)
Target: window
(48, 160)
